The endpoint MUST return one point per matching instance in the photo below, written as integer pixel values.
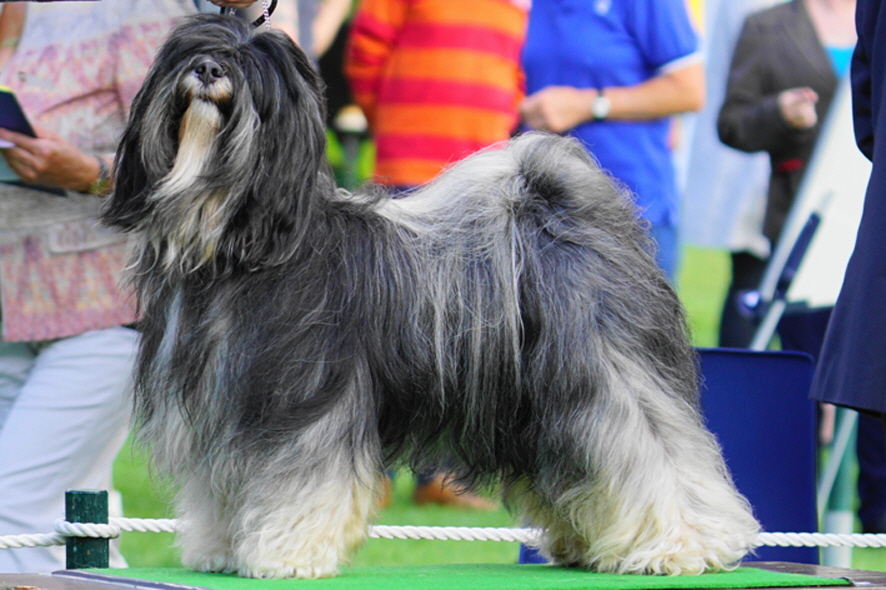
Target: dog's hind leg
(645, 489)
(308, 507)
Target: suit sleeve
(860, 77)
(750, 119)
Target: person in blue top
(611, 73)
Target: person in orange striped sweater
(436, 79)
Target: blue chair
(757, 404)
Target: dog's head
(224, 146)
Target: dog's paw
(682, 552)
(312, 573)
(278, 570)
(218, 563)
(675, 560)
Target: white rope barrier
(454, 533)
(21, 541)
(820, 540)
(65, 529)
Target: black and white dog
(505, 321)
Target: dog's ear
(289, 171)
(134, 176)
(149, 143)
(292, 112)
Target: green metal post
(87, 507)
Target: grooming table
(454, 577)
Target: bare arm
(51, 160)
(331, 15)
(560, 108)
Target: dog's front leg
(204, 531)
(307, 508)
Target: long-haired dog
(505, 322)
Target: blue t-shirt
(601, 43)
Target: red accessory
(791, 165)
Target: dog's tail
(561, 172)
(535, 174)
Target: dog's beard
(198, 132)
(199, 215)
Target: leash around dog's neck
(267, 10)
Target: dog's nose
(209, 71)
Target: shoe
(385, 494)
(443, 492)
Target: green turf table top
(474, 577)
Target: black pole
(87, 507)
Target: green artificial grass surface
(480, 577)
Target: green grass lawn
(701, 286)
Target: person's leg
(804, 331)
(62, 432)
(736, 330)
(871, 451)
(16, 359)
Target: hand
(49, 160)
(797, 106)
(557, 108)
(826, 424)
(233, 3)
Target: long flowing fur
(507, 321)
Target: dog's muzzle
(208, 80)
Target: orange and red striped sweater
(437, 80)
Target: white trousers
(64, 414)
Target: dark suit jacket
(777, 49)
(852, 367)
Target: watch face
(600, 107)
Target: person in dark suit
(852, 367)
(783, 76)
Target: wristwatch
(600, 107)
(103, 182)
